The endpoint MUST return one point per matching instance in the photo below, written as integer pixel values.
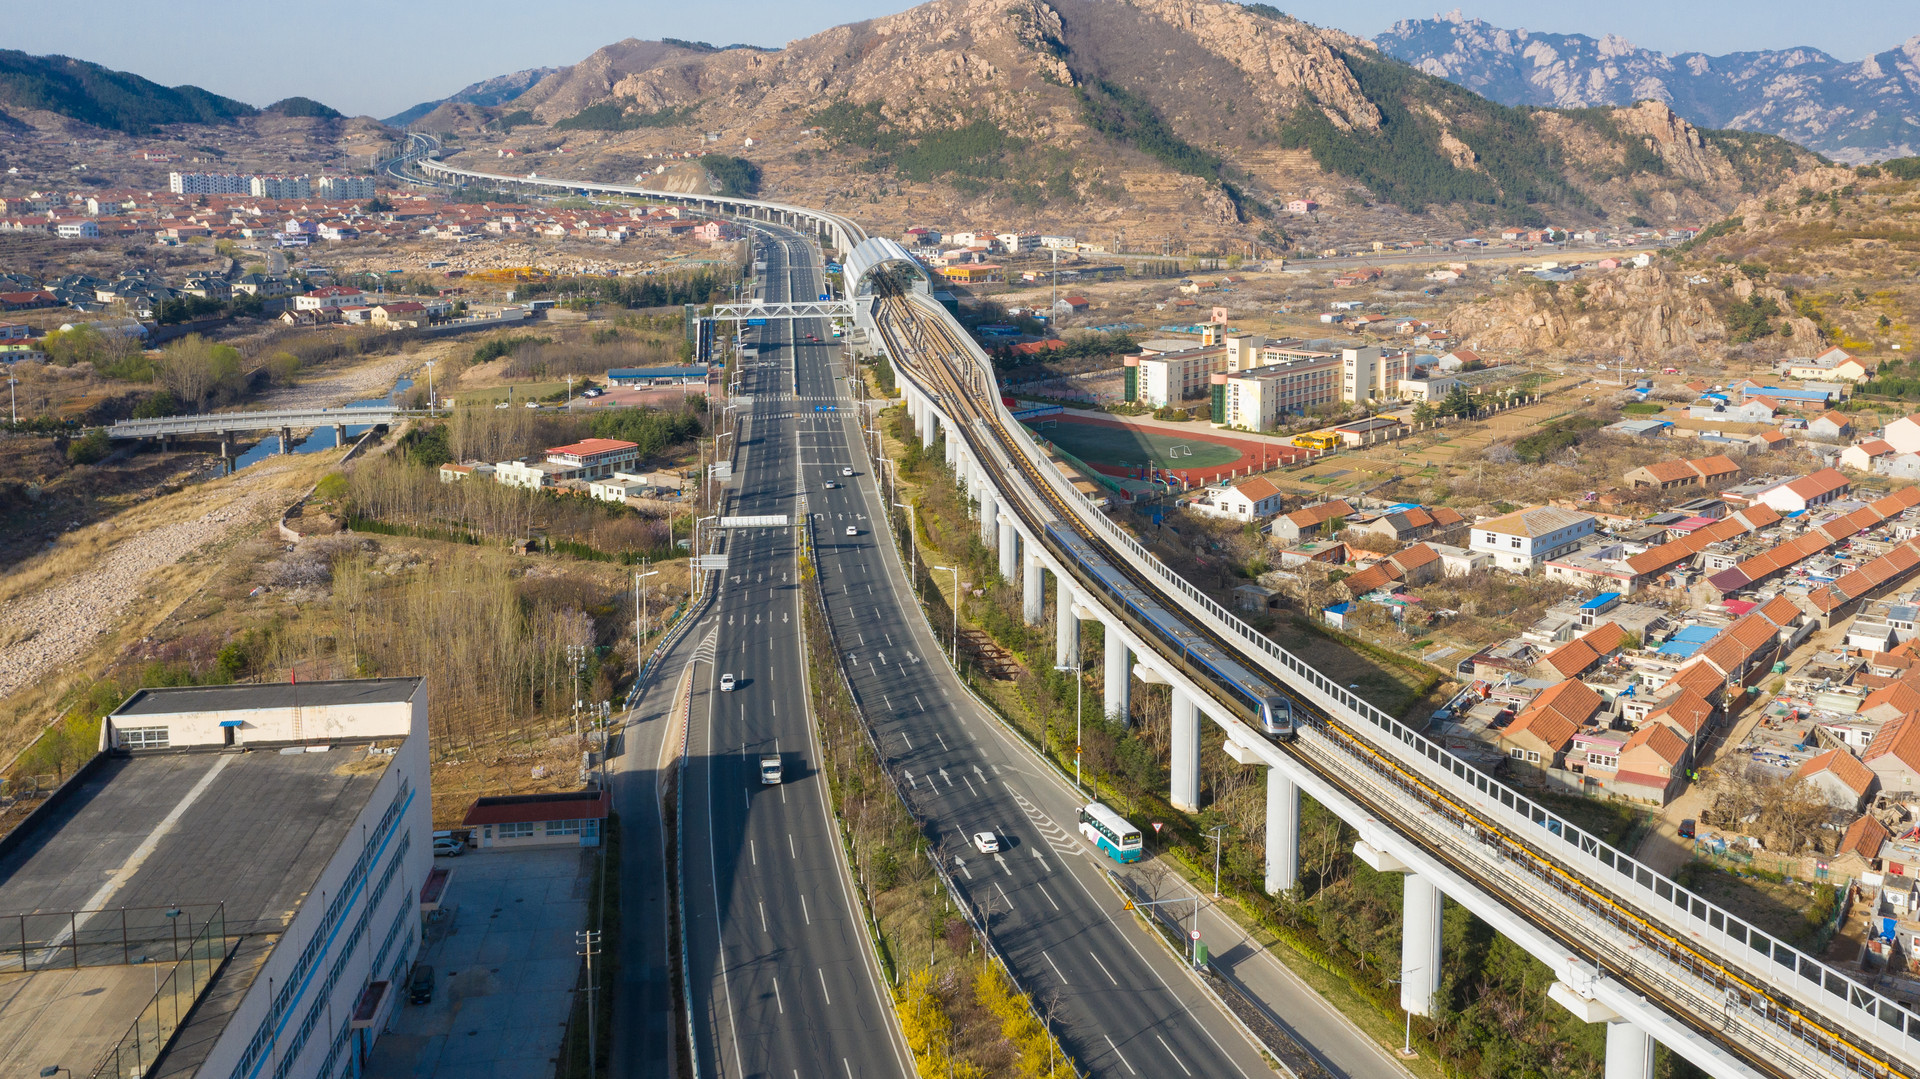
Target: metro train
(1273, 709)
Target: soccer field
(1098, 444)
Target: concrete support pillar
(1629, 1051)
(286, 440)
(1186, 752)
(929, 426)
(952, 445)
(1283, 832)
(989, 517)
(1419, 944)
(1033, 591)
(1119, 702)
(1066, 631)
(339, 434)
(1009, 549)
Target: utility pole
(577, 660)
(13, 399)
(430, 395)
(589, 941)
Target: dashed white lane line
(1055, 966)
(1171, 1053)
(1104, 970)
(1118, 1053)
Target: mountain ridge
(1848, 111)
(1209, 112)
(106, 98)
(498, 90)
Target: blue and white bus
(1110, 832)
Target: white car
(726, 682)
(986, 842)
(852, 531)
(831, 485)
(846, 471)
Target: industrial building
(233, 887)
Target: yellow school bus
(1317, 440)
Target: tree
(378, 205)
(194, 367)
(90, 448)
(1423, 413)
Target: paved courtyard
(505, 970)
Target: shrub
(91, 447)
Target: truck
(770, 769)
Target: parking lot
(505, 967)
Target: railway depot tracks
(1774, 1031)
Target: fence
(99, 938)
(194, 965)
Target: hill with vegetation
(1193, 119)
(115, 100)
(1827, 258)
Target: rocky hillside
(1828, 258)
(1849, 111)
(498, 90)
(1188, 121)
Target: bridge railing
(1760, 955)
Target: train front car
(1276, 718)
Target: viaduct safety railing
(1813, 990)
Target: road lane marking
(1118, 1053)
(776, 997)
(1171, 1053)
(962, 863)
(943, 741)
(803, 910)
(1055, 966)
(754, 851)
(763, 916)
(907, 740)
(790, 851)
(823, 986)
(1042, 859)
(1108, 973)
(969, 784)
(1003, 865)
(1049, 895)
(848, 1065)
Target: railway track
(928, 348)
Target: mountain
(486, 93)
(1190, 121)
(103, 97)
(1863, 111)
(1822, 259)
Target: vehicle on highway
(852, 531)
(726, 682)
(533, 404)
(769, 769)
(1110, 832)
(986, 842)
(846, 471)
(446, 845)
(420, 986)
(831, 485)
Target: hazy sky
(379, 59)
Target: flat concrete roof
(160, 702)
(253, 830)
(250, 829)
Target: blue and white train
(1272, 709)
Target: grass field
(1098, 444)
(523, 391)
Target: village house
(1309, 521)
(1903, 434)
(1806, 492)
(1830, 426)
(1652, 765)
(1835, 363)
(1243, 501)
(1894, 755)
(1520, 541)
(1863, 456)
(1540, 736)
(1846, 783)
(1665, 474)
(1582, 654)
(1410, 524)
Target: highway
(783, 979)
(1121, 1006)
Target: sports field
(1128, 447)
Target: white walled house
(1247, 500)
(1521, 541)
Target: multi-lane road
(781, 974)
(783, 981)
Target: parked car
(420, 987)
(447, 845)
(1687, 828)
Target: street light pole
(431, 397)
(640, 611)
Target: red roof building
(568, 818)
